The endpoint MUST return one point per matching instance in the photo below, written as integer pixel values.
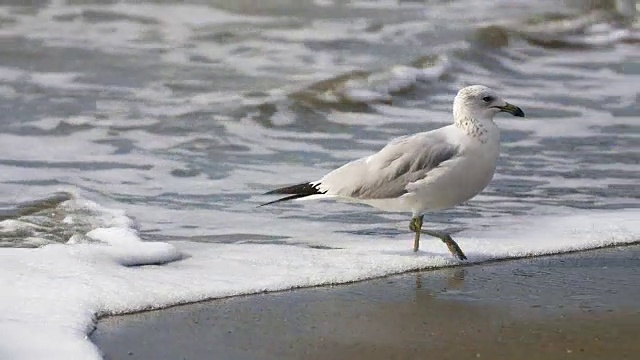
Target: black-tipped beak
(511, 109)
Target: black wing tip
(275, 191)
(292, 197)
(296, 191)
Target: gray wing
(387, 173)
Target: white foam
(65, 286)
(380, 86)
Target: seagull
(427, 171)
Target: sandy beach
(576, 306)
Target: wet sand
(578, 306)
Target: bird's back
(386, 173)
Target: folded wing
(387, 173)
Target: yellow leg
(416, 226)
(446, 238)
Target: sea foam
(52, 295)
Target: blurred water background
(182, 112)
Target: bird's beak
(511, 109)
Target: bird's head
(480, 102)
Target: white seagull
(431, 170)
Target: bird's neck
(481, 129)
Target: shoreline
(408, 272)
(510, 308)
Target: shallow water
(181, 114)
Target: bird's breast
(461, 182)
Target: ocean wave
(594, 29)
(58, 219)
(359, 88)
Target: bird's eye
(487, 99)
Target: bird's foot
(453, 247)
(446, 238)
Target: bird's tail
(295, 192)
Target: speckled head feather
(477, 102)
(475, 106)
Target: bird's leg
(446, 238)
(416, 226)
